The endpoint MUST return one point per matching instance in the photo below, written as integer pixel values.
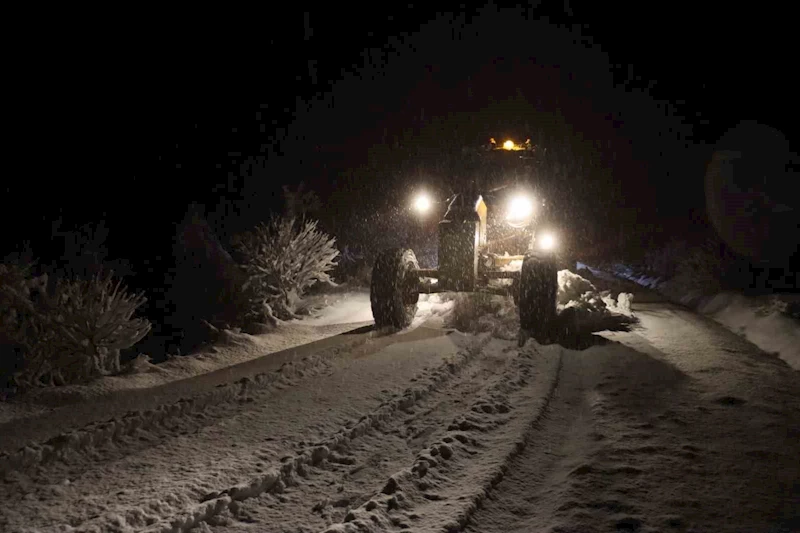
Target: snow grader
(468, 259)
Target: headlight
(520, 210)
(422, 203)
(547, 242)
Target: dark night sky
(328, 107)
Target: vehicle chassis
(464, 266)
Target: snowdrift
(765, 321)
(583, 310)
(577, 292)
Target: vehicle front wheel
(538, 290)
(394, 290)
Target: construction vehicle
(469, 258)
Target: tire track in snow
(67, 445)
(171, 419)
(529, 497)
(350, 475)
(642, 446)
(170, 479)
(279, 476)
(447, 482)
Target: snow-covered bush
(705, 267)
(72, 335)
(21, 329)
(663, 261)
(15, 298)
(205, 284)
(282, 259)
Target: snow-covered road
(683, 428)
(678, 426)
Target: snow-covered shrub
(15, 287)
(204, 285)
(18, 322)
(705, 268)
(72, 335)
(282, 259)
(664, 261)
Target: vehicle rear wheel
(394, 290)
(538, 290)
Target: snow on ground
(575, 291)
(12, 410)
(677, 425)
(345, 308)
(432, 309)
(683, 427)
(336, 312)
(340, 312)
(164, 472)
(762, 320)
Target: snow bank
(236, 348)
(572, 287)
(583, 310)
(582, 296)
(340, 313)
(762, 320)
(578, 292)
(575, 291)
(102, 433)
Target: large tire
(538, 290)
(394, 290)
(514, 290)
